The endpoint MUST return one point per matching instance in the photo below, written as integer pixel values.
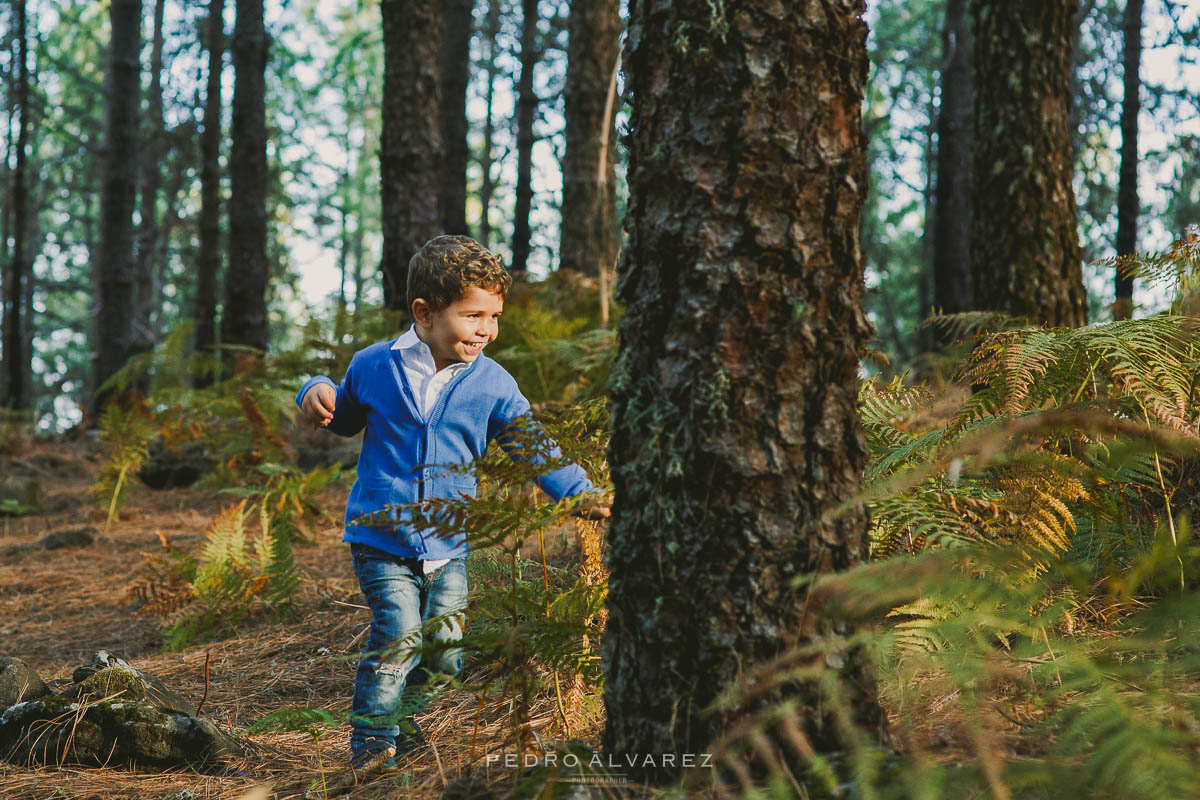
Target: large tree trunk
(589, 206)
(735, 429)
(953, 292)
(208, 257)
(118, 189)
(244, 321)
(144, 332)
(455, 73)
(16, 355)
(410, 158)
(527, 104)
(487, 185)
(1127, 190)
(1025, 257)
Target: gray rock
(68, 537)
(168, 469)
(107, 674)
(56, 730)
(18, 682)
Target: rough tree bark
(208, 257)
(1025, 255)
(455, 73)
(527, 104)
(1127, 190)
(16, 356)
(410, 156)
(735, 429)
(118, 189)
(244, 320)
(144, 333)
(953, 292)
(589, 205)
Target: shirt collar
(410, 341)
(407, 340)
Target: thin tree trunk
(6, 210)
(16, 356)
(735, 428)
(144, 333)
(455, 74)
(487, 186)
(589, 206)
(359, 228)
(926, 289)
(344, 234)
(527, 105)
(1127, 190)
(410, 158)
(118, 191)
(953, 290)
(244, 321)
(1025, 255)
(208, 257)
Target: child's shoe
(408, 740)
(374, 756)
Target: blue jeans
(389, 686)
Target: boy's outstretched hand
(317, 404)
(595, 513)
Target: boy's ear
(421, 311)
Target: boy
(428, 401)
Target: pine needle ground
(58, 607)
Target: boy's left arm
(568, 481)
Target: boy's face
(461, 330)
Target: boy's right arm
(333, 407)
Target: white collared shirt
(427, 383)
(426, 380)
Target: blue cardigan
(406, 459)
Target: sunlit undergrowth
(1031, 609)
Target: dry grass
(58, 607)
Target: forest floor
(58, 607)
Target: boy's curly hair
(446, 266)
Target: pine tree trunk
(589, 205)
(455, 73)
(487, 186)
(208, 257)
(1025, 255)
(1127, 190)
(735, 428)
(16, 354)
(244, 321)
(144, 333)
(118, 189)
(410, 158)
(527, 105)
(953, 292)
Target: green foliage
(124, 436)
(290, 498)
(11, 507)
(236, 574)
(552, 343)
(312, 721)
(1178, 268)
